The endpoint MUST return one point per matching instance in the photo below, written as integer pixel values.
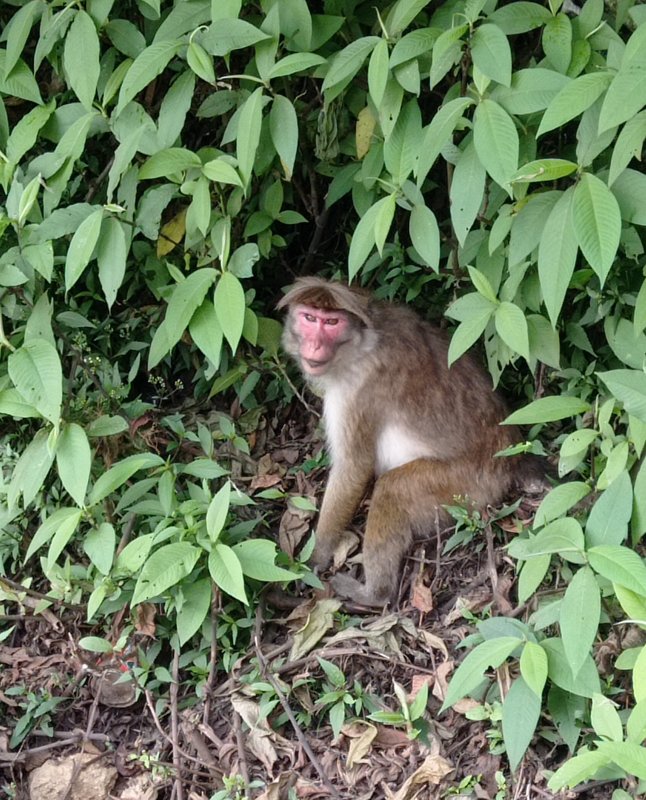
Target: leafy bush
(163, 165)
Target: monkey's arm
(346, 486)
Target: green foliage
(160, 163)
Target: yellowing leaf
(363, 131)
(171, 234)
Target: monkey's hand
(332, 550)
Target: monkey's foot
(358, 592)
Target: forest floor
(94, 734)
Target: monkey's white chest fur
(395, 444)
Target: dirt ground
(263, 720)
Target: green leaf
(545, 169)
(573, 99)
(563, 536)
(383, 221)
(584, 684)
(200, 62)
(35, 370)
(226, 571)
(628, 145)
(60, 517)
(533, 667)
(187, 297)
(511, 326)
(638, 521)
(471, 671)
(629, 387)
(81, 58)
(491, 53)
(607, 523)
(629, 190)
(532, 574)
(579, 617)
(425, 235)
(557, 255)
(206, 332)
(402, 13)
(531, 90)
(597, 223)
(167, 162)
(31, 470)
(145, 68)
(82, 247)
(216, 514)
(74, 460)
(557, 42)
(559, 501)
(20, 82)
(619, 565)
(402, 145)
(626, 94)
(196, 602)
(225, 35)
(165, 568)
(294, 62)
(605, 719)
(520, 17)
(438, 133)
(283, 128)
(547, 409)
(230, 308)
(62, 535)
(346, 63)
(257, 558)
(627, 755)
(17, 30)
(378, 72)
(100, 544)
(363, 238)
(639, 676)
(248, 137)
(25, 132)
(13, 404)
(220, 171)
(111, 254)
(521, 711)
(496, 141)
(107, 425)
(468, 332)
(120, 472)
(467, 192)
(580, 768)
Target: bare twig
(210, 681)
(174, 715)
(242, 758)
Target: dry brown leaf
(171, 234)
(145, 619)
(442, 679)
(319, 621)
(431, 773)
(418, 681)
(434, 642)
(421, 595)
(363, 132)
(362, 735)
(277, 790)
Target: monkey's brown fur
(396, 412)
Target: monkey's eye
(332, 321)
(309, 317)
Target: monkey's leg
(345, 489)
(405, 499)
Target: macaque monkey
(397, 414)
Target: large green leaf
(82, 247)
(597, 223)
(81, 58)
(111, 254)
(145, 68)
(248, 138)
(573, 99)
(629, 387)
(491, 53)
(557, 252)
(165, 568)
(579, 617)
(230, 308)
(36, 372)
(74, 460)
(283, 128)
(467, 191)
(521, 711)
(438, 133)
(547, 409)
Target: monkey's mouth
(315, 367)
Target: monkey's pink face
(319, 332)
